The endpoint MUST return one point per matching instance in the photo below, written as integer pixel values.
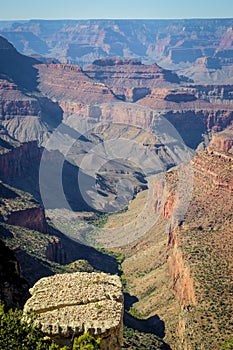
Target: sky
(88, 9)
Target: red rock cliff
(55, 251)
(181, 280)
(129, 79)
(13, 163)
(32, 218)
(71, 87)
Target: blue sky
(83, 9)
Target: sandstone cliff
(27, 116)
(193, 110)
(71, 87)
(68, 305)
(223, 142)
(200, 250)
(32, 218)
(190, 112)
(14, 163)
(25, 113)
(182, 270)
(129, 79)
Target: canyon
(182, 270)
(200, 49)
(153, 152)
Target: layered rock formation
(223, 142)
(205, 243)
(32, 218)
(129, 79)
(192, 110)
(187, 43)
(20, 209)
(13, 162)
(25, 113)
(183, 273)
(71, 87)
(68, 305)
(27, 117)
(181, 269)
(188, 107)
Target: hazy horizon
(13, 10)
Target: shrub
(18, 332)
(228, 345)
(86, 342)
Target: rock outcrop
(25, 113)
(200, 249)
(20, 209)
(55, 251)
(223, 142)
(193, 110)
(32, 218)
(71, 87)
(129, 79)
(195, 263)
(68, 305)
(216, 94)
(182, 283)
(27, 116)
(14, 102)
(14, 162)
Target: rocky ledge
(68, 305)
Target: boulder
(68, 305)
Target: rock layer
(129, 79)
(68, 305)
(71, 87)
(172, 42)
(14, 163)
(32, 218)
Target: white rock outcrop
(71, 304)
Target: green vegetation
(119, 258)
(228, 345)
(138, 340)
(98, 220)
(19, 332)
(86, 342)
(78, 266)
(35, 245)
(133, 312)
(98, 306)
(209, 258)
